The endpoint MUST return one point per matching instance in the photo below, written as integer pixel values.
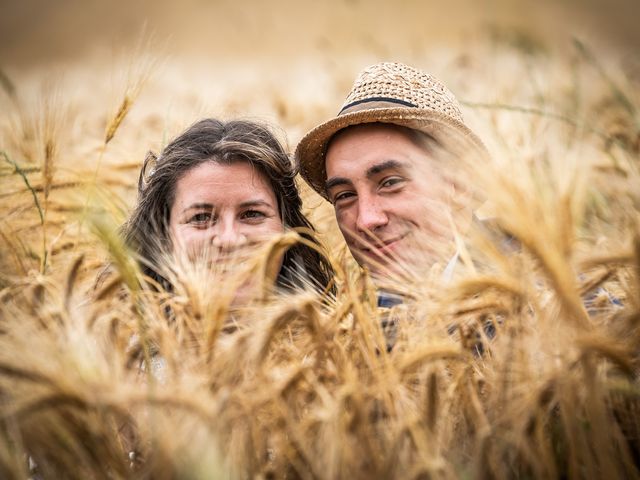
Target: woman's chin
(244, 295)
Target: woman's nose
(227, 235)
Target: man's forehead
(361, 148)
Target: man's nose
(227, 235)
(371, 215)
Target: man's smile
(380, 248)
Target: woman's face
(222, 208)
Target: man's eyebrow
(371, 171)
(386, 165)
(335, 181)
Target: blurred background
(33, 32)
(291, 63)
(289, 60)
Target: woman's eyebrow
(199, 206)
(255, 203)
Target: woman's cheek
(192, 242)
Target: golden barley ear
(118, 118)
(141, 67)
(122, 258)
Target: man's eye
(341, 196)
(391, 182)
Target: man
(388, 163)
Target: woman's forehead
(224, 183)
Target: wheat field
(525, 366)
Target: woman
(221, 187)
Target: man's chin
(381, 266)
(407, 263)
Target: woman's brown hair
(212, 140)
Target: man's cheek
(344, 222)
(349, 236)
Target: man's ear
(463, 195)
(456, 194)
(461, 203)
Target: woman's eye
(253, 214)
(202, 218)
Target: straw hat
(390, 93)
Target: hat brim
(451, 134)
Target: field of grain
(525, 366)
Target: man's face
(392, 205)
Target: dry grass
(120, 381)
